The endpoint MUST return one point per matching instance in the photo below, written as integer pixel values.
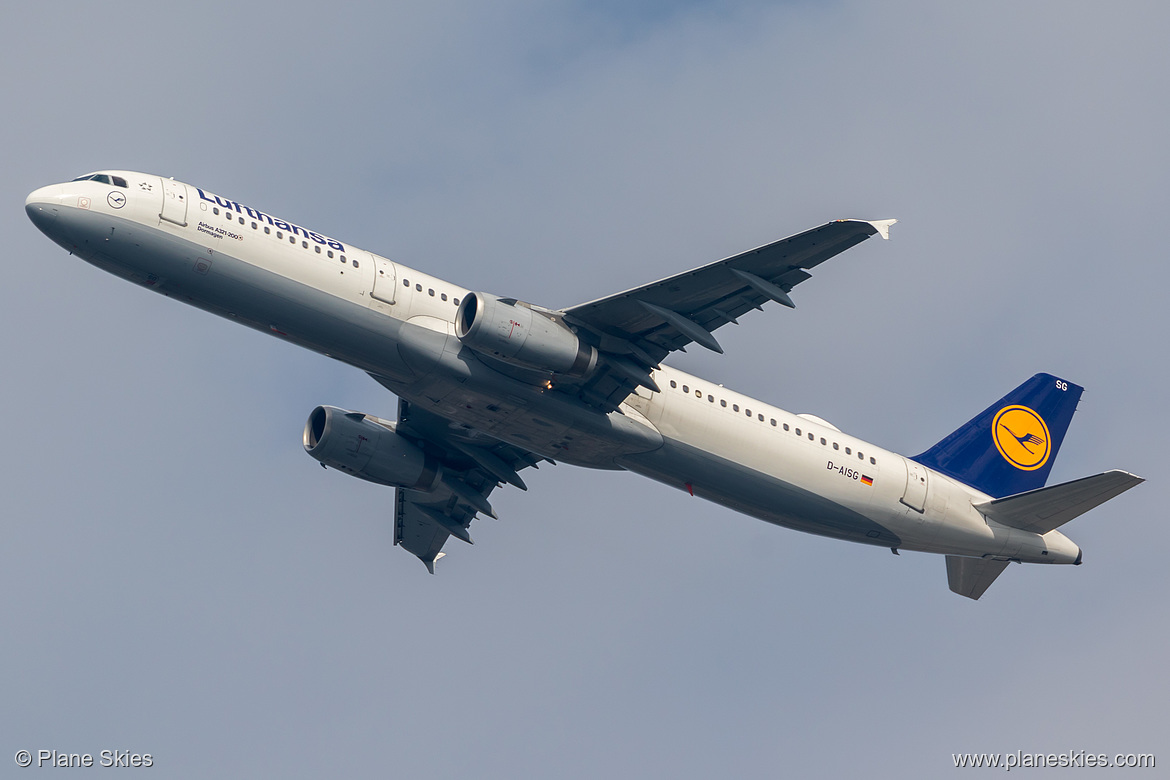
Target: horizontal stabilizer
(1045, 509)
(970, 577)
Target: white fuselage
(397, 323)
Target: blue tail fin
(1009, 448)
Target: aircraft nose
(42, 206)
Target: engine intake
(370, 449)
(516, 333)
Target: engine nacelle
(354, 443)
(515, 333)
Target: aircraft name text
(279, 224)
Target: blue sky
(178, 578)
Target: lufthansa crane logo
(1021, 436)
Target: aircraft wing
(637, 328)
(473, 463)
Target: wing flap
(1048, 508)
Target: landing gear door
(916, 486)
(384, 280)
(174, 207)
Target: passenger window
(860, 456)
(711, 398)
(810, 436)
(836, 446)
(330, 254)
(735, 407)
(418, 287)
(748, 412)
(431, 292)
(848, 451)
(317, 249)
(241, 220)
(686, 389)
(355, 262)
(698, 394)
(798, 431)
(268, 230)
(254, 226)
(215, 210)
(773, 422)
(785, 426)
(443, 296)
(723, 403)
(760, 417)
(872, 462)
(456, 301)
(304, 245)
(292, 240)
(823, 442)
(406, 283)
(279, 234)
(673, 383)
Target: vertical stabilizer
(1010, 447)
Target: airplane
(489, 386)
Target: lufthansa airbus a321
(489, 386)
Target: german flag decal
(866, 480)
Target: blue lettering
(279, 224)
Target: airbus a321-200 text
(489, 386)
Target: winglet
(431, 563)
(882, 226)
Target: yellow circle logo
(1021, 436)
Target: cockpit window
(103, 178)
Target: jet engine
(371, 449)
(514, 332)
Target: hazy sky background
(178, 578)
